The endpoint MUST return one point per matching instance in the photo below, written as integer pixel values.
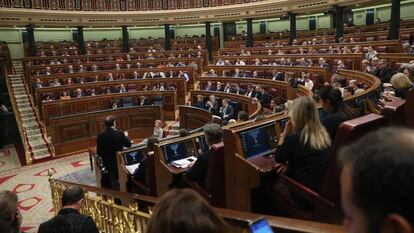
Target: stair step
(33, 132)
(38, 146)
(28, 119)
(40, 154)
(22, 100)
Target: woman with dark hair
(334, 108)
(184, 211)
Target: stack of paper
(131, 168)
(183, 163)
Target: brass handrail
(101, 205)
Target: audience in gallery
(198, 170)
(304, 145)
(69, 218)
(184, 210)
(10, 216)
(376, 182)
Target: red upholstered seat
(327, 202)
(409, 109)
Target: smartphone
(260, 226)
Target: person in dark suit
(200, 102)
(69, 219)
(237, 90)
(264, 97)
(212, 105)
(219, 87)
(335, 109)
(142, 101)
(108, 143)
(10, 216)
(250, 92)
(384, 72)
(142, 170)
(198, 170)
(226, 111)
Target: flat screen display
(178, 151)
(133, 157)
(259, 140)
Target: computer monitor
(133, 157)
(202, 144)
(258, 141)
(179, 150)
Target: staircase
(33, 136)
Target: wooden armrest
(197, 188)
(306, 193)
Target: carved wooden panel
(66, 109)
(17, 3)
(144, 5)
(70, 4)
(100, 5)
(157, 4)
(81, 107)
(50, 111)
(54, 4)
(93, 105)
(130, 5)
(37, 4)
(74, 131)
(86, 5)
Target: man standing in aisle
(108, 143)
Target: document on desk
(131, 168)
(183, 163)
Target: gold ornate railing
(101, 204)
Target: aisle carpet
(31, 183)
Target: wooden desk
(193, 118)
(110, 65)
(76, 133)
(352, 61)
(128, 75)
(88, 104)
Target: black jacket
(307, 166)
(108, 143)
(385, 74)
(332, 122)
(198, 172)
(69, 221)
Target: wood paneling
(73, 133)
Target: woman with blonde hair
(158, 132)
(304, 145)
(401, 84)
(184, 211)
